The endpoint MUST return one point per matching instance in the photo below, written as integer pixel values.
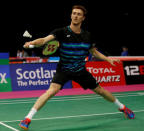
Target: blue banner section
(4, 55)
(4, 70)
(33, 76)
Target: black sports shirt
(73, 50)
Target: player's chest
(75, 38)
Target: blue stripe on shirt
(73, 52)
(76, 45)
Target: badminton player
(75, 45)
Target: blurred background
(106, 20)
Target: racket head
(50, 47)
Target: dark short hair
(124, 46)
(80, 7)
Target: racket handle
(30, 46)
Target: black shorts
(84, 78)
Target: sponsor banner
(33, 76)
(4, 61)
(35, 60)
(4, 55)
(5, 80)
(134, 72)
(4, 58)
(16, 60)
(105, 73)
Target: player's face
(77, 16)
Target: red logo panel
(105, 73)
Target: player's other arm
(99, 55)
(39, 41)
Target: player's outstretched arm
(99, 55)
(39, 41)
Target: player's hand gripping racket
(49, 48)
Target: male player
(75, 45)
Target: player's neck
(76, 28)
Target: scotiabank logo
(39, 73)
(32, 76)
(39, 76)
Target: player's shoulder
(59, 29)
(86, 31)
(62, 29)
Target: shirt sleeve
(58, 33)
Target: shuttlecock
(27, 34)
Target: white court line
(74, 99)
(141, 93)
(68, 97)
(77, 96)
(1, 123)
(75, 116)
(83, 96)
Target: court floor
(75, 113)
